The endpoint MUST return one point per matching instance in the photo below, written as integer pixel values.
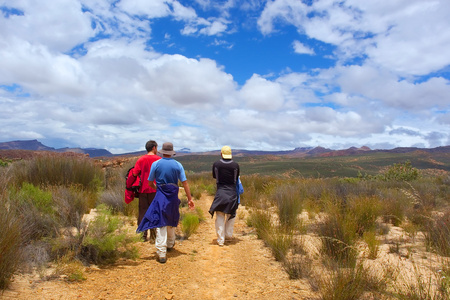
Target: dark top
(225, 171)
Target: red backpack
(132, 186)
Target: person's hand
(191, 204)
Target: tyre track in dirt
(196, 269)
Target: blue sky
(256, 75)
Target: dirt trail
(196, 269)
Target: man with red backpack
(140, 172)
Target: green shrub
(3, 163)
(106, 241)
(189, 224)
(35, 208)
(401, 172)
(34, 196)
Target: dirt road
(197, 269)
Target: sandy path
(197, 269)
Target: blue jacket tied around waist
(164, 209)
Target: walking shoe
(144, 236)
(170, 249)
(162, 259)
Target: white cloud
(384, 86)
(150, 9)
(289, 11)
(261, 94)
(302, 49)
(60, 25)
(29, 64)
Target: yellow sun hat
(226, 152)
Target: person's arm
(152, 184)
(151, 176)
(188, 194)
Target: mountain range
(35, 145)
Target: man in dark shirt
(225, 204)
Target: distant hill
(25, 145)
(300, 152)
(35, 145)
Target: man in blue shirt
(163, 213)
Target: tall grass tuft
(365, 211)
(373, 244)
(261, 221)
(189, 224)
(394, 205)
(71, 267)
(298, 266)
(338, 236)
(437, 233)
(279, 240)
(352, 283)
(289, 205)
(444, 280)
(11, 242)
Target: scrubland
(380, 236)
